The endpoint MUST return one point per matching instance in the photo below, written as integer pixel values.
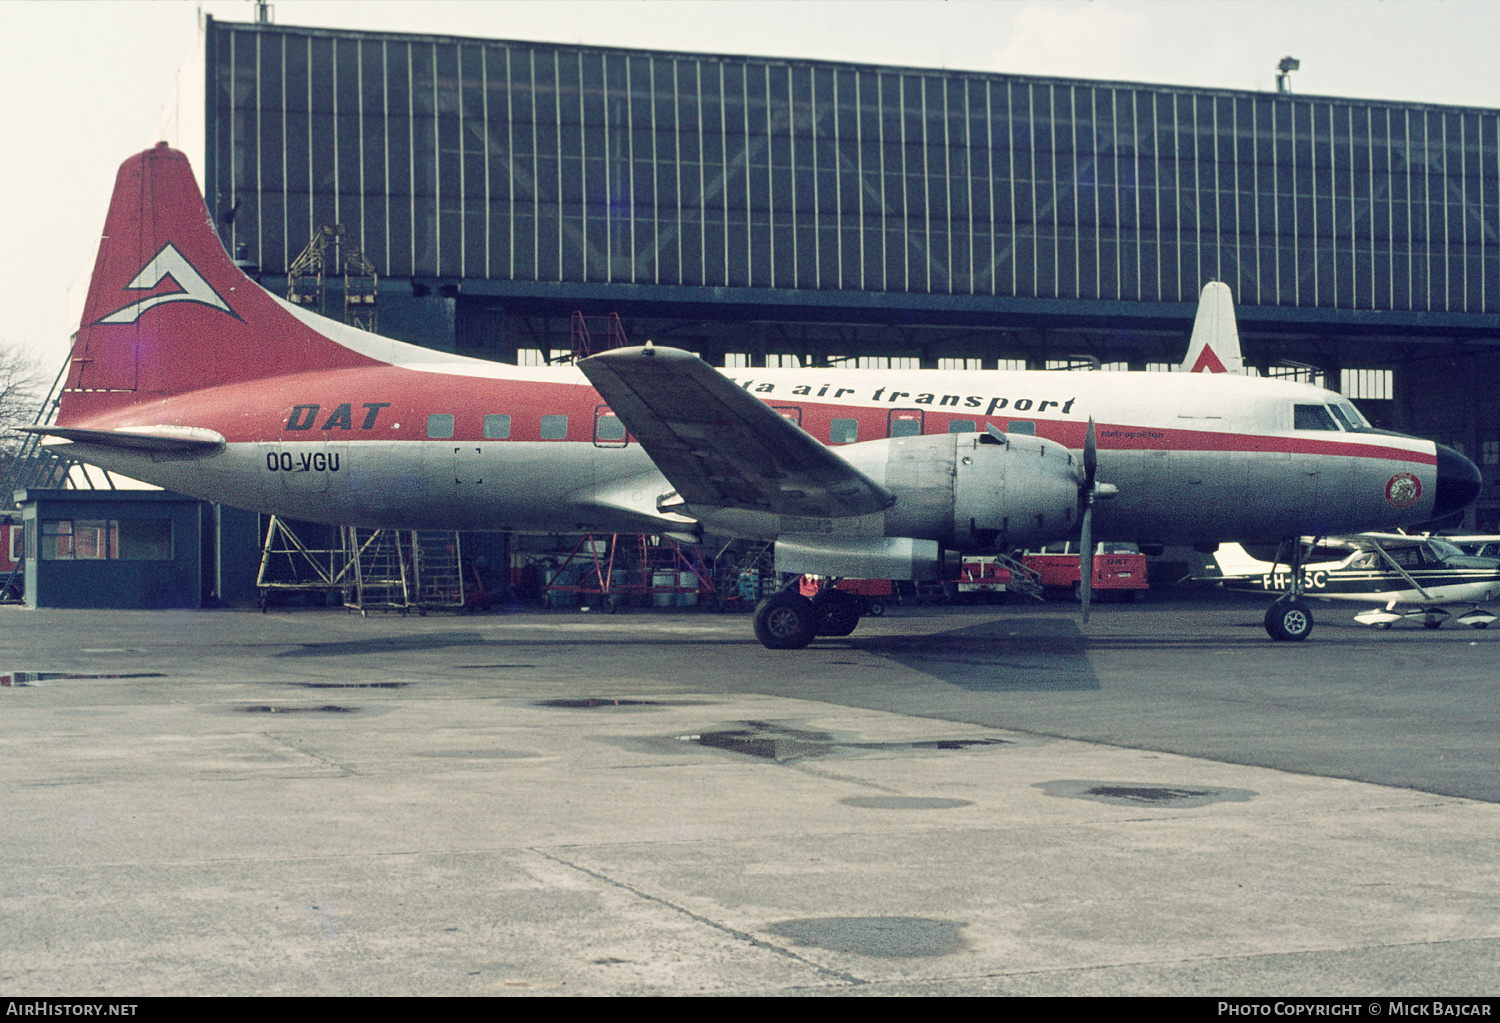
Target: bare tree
(21, 394)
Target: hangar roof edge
(239, 26)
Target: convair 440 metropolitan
(188, 375)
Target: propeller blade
(1090, 455)
(1086, 560)
(1086, 527)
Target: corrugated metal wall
(470, 159)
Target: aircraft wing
(719, 446)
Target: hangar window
(1021, 426)
(961, 426)
(74, 540)
(440, 426)
(106, 540)
(1313, 417)
(496, 427)
(554, 428)
(843, 431)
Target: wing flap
(721, 447)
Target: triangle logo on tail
(168, 263)
(1208, 362)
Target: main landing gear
(1290, 619)
(788, 621)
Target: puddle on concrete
(904, 802)
(327, 708)
(888, 937)
(485, 666)
(596, 703)
(350, 685)
(782, 743)
(1175, 797)
(22, 679)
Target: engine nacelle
(974, 491)
(863, 557)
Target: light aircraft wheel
(877, 609)
(1289, 621)
(1481, 625)
(1432, 623)
(836, 612)
(785, 621)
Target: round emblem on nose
(1403, 490)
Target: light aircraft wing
(719, 446)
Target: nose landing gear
(1290, 619)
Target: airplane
(188, 375)
(1411, 577)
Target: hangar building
(788, 211)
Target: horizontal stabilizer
(140, 438)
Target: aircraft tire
(836, 612)
(785, 621)
(1432, 623)
(1289, 621)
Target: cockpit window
(1338, 414)
(1349, 417)
(1442, 550)
(1313, 417)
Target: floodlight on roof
(1285, 68)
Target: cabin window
(608, 428)
(906, 423)
(1021, 426)
(440, 426)
(1313, 417)
(496, 427)
(554, 428)
(961, 426)
(843, 431)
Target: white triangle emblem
(167, 263)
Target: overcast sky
(84, 81)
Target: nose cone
(1458, 483)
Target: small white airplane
(1412, 578)
(188, 375)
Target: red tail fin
(167, 309)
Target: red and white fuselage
(188, 375)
